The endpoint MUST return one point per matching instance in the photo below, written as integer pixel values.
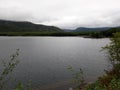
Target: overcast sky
(63, 13)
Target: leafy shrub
(8, 68)
(111, 80)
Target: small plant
(20, 86)
(77, 75)
(8, 68)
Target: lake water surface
(44, 60)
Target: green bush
(111, 79)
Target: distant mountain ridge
(85, 29)
(17, 26)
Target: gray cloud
(63, 13)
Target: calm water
(44, 60)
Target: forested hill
(14, 26)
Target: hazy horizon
(67, 14)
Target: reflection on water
(44, 60)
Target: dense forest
(106, 33)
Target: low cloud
(63, 13)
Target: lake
(44, 60)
